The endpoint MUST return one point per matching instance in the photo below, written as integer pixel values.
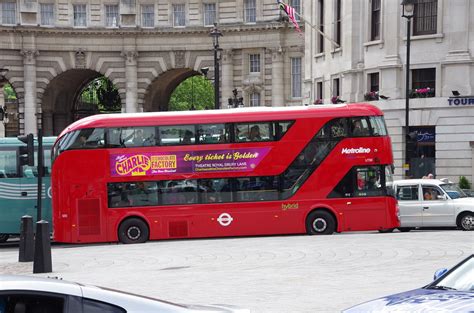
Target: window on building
(179, 15)
(375, 20)
(255, 99)
(425, 17)
(319, 90)
(337, 22)
(111, 15)
(336, 87)
(8, 13)
(374, 82)
(210, 14)
(254, 62)
(47, 14)
(423, 82)
(296, 77)
(80, 15)
(296, 4)
(321, 26)
(250, 11)
(148, 15)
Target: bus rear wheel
(133, 230)
(320, 223)
(4, 237)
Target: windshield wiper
(439, 287)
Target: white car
(433, 203)
(27, 294)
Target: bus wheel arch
(465, 220)
(133, 229)
(321, 221)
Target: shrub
(464, 183)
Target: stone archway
(159, 91)
(60, 102)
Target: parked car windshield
(453, 191)
(461, 279)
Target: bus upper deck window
(360, 127)
(378, 126)
(89, 138)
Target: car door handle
(426, 207)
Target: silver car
(26, 294)
(433, 203)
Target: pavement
(265, 274)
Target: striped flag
(291, 12)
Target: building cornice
(138, 31)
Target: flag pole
(315, 28)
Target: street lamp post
(408, 8)
(215, 34)
(235, 102)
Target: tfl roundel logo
(225, 219)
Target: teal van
(19, 186)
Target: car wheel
(388, 230)
(320, 223)
(133, 230)
(466, 221)
(4, 237)
(404, 229)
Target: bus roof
(14, 141)
(247, 114)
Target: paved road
(265, 274)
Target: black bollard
(27, 241)
(42, 262)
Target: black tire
(4, 237)
(320, 223)
(387, 230)
(404, 229)
(466, 221)
(133, 230)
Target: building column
(278, 85)
(227, 77)
(29, 75)
(457, 74)
(131, 85)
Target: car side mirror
(439, 273)
(441, 197)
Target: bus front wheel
(320, 223)
(133, 230)
(4, 237)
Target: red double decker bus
(237, 172)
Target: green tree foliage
(195, 92)
(103, 93)
(9, 93)
(464, 183)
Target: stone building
(372, 58)
(53, 48)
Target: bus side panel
(11, 205)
